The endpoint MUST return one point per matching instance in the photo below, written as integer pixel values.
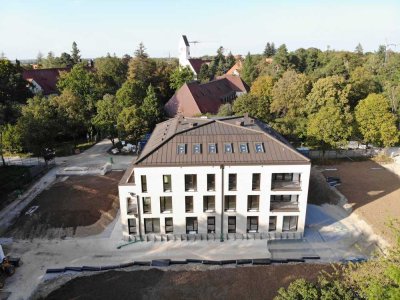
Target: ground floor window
(252, 224)
(231, 224)
(272, 223)
(152, 225)
(211, 224)
(290, 223)
(191, 225)
(132, 226)
(169, 225)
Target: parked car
(333, 181)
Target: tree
(204, 74)
(111, 72)
(229, 61)
(359, 49)
(269, 50)
(66, 60)
(140, 52)
(107, 116)
(375, 121)
(141, 68)
(245, 103)
(249, 71)
(281, 59)
(225, 110)
(362, 83)
(180, 76)
(262, 90)
(11, 139)
(130, 123)
(151, 109)
(76, 58)
(131, 93)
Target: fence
(332, 154)
(19, 161)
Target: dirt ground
(372, 190)
(319, 191)
(260, 282)
(88, 202)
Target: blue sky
(100, 26)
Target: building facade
(222, 178)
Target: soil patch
(78, 201)
(223, 283)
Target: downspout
(139, 217)
(222, 203)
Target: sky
(118, 26)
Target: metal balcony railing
(286, 185)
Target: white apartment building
(220, 177)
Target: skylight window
(259, 147)
(212, 148)
(181, 148)
(228, 148)
(197, 148)
(243, 148)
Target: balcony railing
(283, 185)
(284, 206)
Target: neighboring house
(186, 60)
(235, 70)
(195, 98)
(218, 178)
(44, 81)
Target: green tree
(106, 117)
(76, 58)
(204, 74)
(130, 123)
(249, 71)
(111, 72)
(246, 103)
(11, 139)
(376, 123)
(362, 83)
(269, 50)
(152, 111)
(141, 68)
(229, 62)
(262, 91)
(66, 60)
(282, 59)
(225, 110)
(180, 76)
(131, 93)
(359, 49)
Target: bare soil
(260, 282)
(373, 192)
(78, 201)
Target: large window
(210, 182)
(189, 204)
(169, 225)
(253, 202)
(232, 184)
(211, 224)
(131, 206)
(209, 203)
(290, 223)
(231, 224)
(167, 183)
(272, 223)
(282, 176)
(255, 183)
(252, 224)
(191, 225)
(146, 205)
(230, 203)
(144, 183)
(166, 204)
(151, 225)
(190, 182)
(132, 226)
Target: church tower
(184, 51)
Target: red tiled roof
(46, 78)
(236, 67)
(197, 63)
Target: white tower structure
(184, 51)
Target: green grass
(12, 178)
(67, 148)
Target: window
(152, 225)
(212, 148)
(189, 204)
(146, 205)
(255, 183)
(166, 204)
(284, 198)
(252, 224)
(181, 149)
(209, 203)
(210, 182)
(253, 202)
(190, 182)
(228, 148)
(144, 183)
(132, 226)
(131, 206)
(282, 176)
(243, 148)
(230, 203)
(196, 148)
(232, 182)
(211, 224)
(272, 223)
(167, 183)
(289, 223)
(259, 147)
(231, 224)
(191, 225)
(169, 225)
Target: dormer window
(243, 148)
(212, 148)
(197, 149)
(228, 148)
(181, 148)
(259, 147)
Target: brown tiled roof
(194, 98)
(236, 67)
(161, 149)
(197, 63)
(46, 78)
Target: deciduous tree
(180, 76)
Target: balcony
(284, 206)
(283, 185)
